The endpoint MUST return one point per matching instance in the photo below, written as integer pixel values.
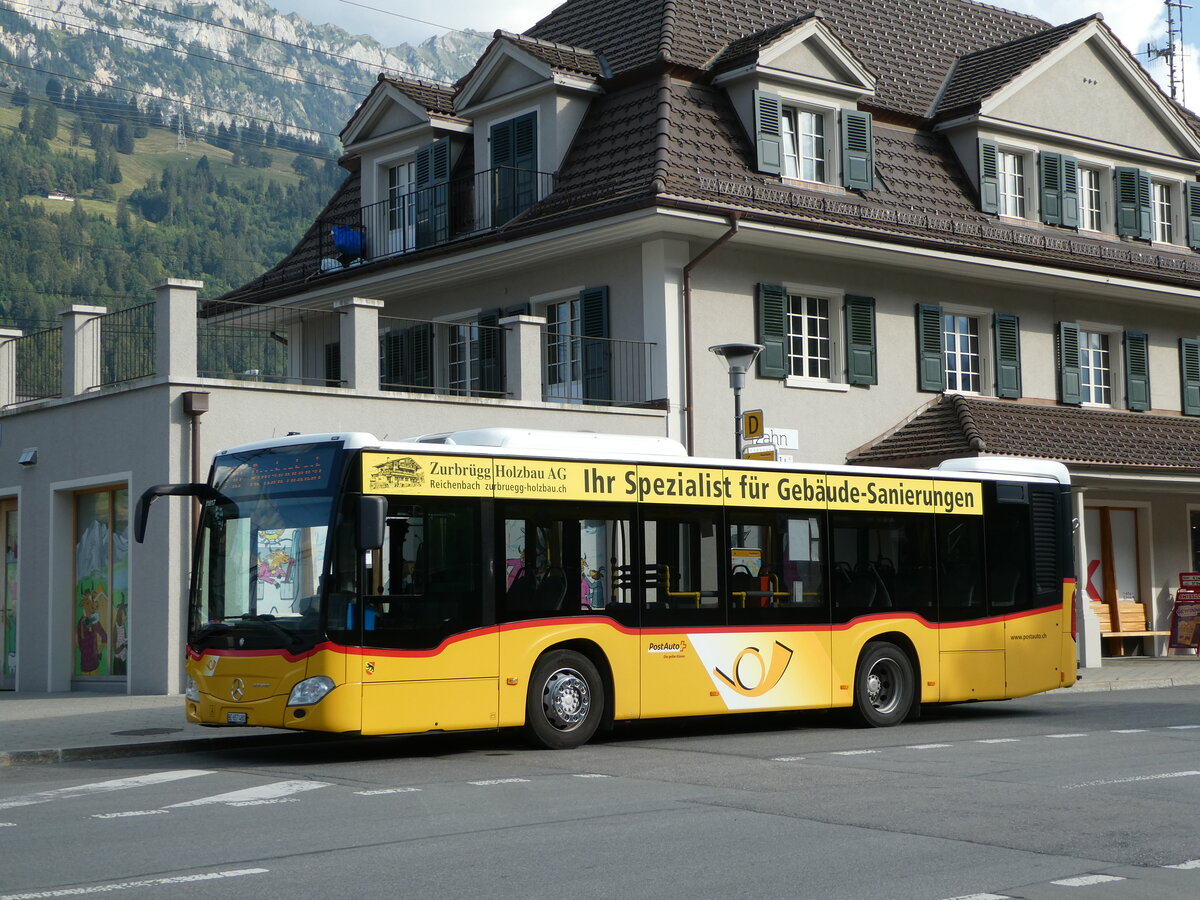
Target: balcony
(430, 216)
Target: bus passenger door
(970, 627)
(428, 662)
(1034, 630)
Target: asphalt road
(1097, 792)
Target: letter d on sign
(752, 424)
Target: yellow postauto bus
(563, 582)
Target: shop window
(101, 583)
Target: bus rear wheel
(884, 690)
(565, 700)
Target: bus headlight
(193, 690)
(310, 690)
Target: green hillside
(220, 214)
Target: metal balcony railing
(39, 365)
(460, 359)
(126, 344)
(280, 344)
(430, 216)
(595, 370)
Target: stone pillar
(359, 336)
(523, 337)
(80, 349)
(175, 329)
(8, 366)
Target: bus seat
(551, 592)
(521, 591)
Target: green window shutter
(931, 359)
(768, 132)
(1132, 188)
(1070, 192)
(1137, 371)
(1006, 329)
(491, 353)
(1191, 199)
(597, 352)
(989, 177)
(860, 340)
(333, 365)
(433, 193)
(418, 357)
(1050, 178)
(1070, 378)
(772, 331)
(1189, 367)
(858, 150)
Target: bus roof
(650, 448)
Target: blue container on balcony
(349, 240)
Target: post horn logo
(752, 680)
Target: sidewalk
(46, 728)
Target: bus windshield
(262, 549)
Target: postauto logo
(751, 675)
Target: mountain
(209, 60)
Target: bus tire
(884, 687)
(565, 702)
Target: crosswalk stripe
(127, 885)
(262, 794)
(102, 787)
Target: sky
(392, 22)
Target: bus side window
(960, 568)
(679, 577)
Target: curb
(188, 745)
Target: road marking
(1087, 880)
(1071, 735)
(982, 897)
(1134, 778)
(926, 746)
(1182, 727)
(786, 758)
(589, 775)
(852, 752)
(102, 787)
(1130, 730)
(127, 885)
(403, 790)
(999, 741)
(267, 793)
(130, 814)
(8, 824)
(489, 782)
(1190, 864)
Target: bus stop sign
(752, 424)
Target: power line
(263, 37)
(186, 52)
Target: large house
(956, 231)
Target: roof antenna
(1173, 51)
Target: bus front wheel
(565, 700)
(884, 689)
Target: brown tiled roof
(560, 57)
(977, 76)
(745, 50)
(955, 426)
(432, 97)
(909, 45)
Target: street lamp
(739, 358)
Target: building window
(564, 377)
(1095, 368)
(964, 364)
(402, 180)
(810, 341)
(1090, 209)
(1011, 172)
(463, 358)
(803, 144)
(1162, 212)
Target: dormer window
(1010, 170)
(803, 144)
(794, 140)
(1162, 212)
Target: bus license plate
(236, 718)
